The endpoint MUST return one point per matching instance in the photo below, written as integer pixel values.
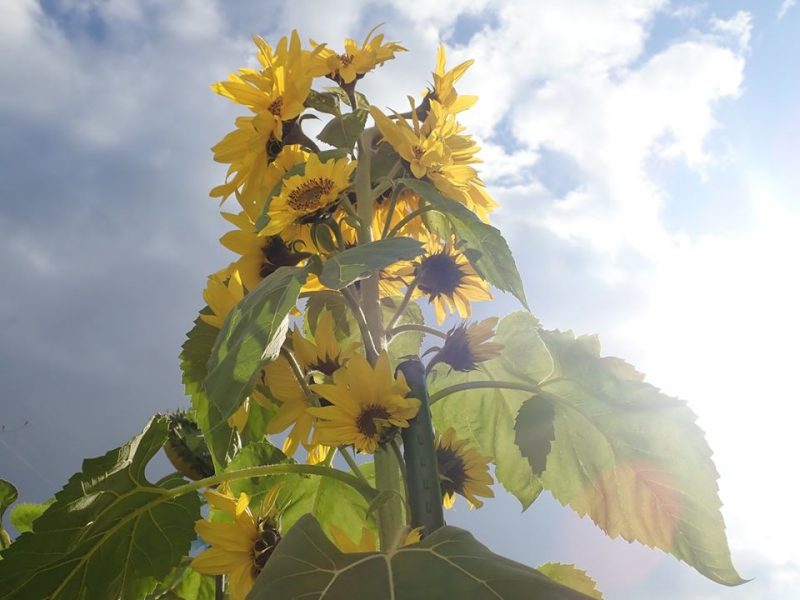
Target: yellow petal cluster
(356, 60)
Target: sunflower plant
(334, 416)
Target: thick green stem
(424, 490)
(403, 305)
(263, 471)
(361, 320)
(390, 514)
(351, 462)
(475, 385)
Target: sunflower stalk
(477, 385)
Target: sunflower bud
(186, 448)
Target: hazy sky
(643, 151)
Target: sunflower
(242, 548)
(445, 276)
(368, 541)
(462, 470)
(468, 344)
(303, 198)
(259, 256)
(443, 81)
(221, 295)
(284, 387)
(324, 354)
(355, 61)
(367, 404)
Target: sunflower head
(462, 470)
(305, 198)
(468, 344)
(367, 405)
(241, 548)
(186, 447)
(355, 61)
(323, 354)
(449, 281)
(221, 295)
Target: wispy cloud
(785, 7)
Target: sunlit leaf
(449, 563)
(110, 533)
(344, 325)
(572, 577)
(348, 266)
(8, 495)
(251, 335)
(195, 353)
(632, 458)
(487, 250)
(324, 102)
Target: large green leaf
(572, 577)
(632, 458)
(195, 354)
(535, 430)
(344, 324)
(343, 132)
(487, 417)
(406, 343)
(487, 250)
(361, 261)
(251, 335)
(110, 533)
(447, 564)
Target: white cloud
(785, 7)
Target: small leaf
(344, 131)
(195, 354)
(361, 99)
(251, 336)
(487, 250)
(534, 431)
(324, 102)
(110, 533)
(25, 513)
(361, 261)
(8, 495)
(572, 577)
(449, 563)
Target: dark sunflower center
(276, 106)
(268, 539)
(452, 473)
(306, 197)
(326, 365)
(278, 254)
(366, 420)
(417, 151)
(346, 59)
(438, 274)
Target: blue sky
(643, 153)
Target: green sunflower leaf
(535, 431)
(361, 99)
(344, 325)
(344, 131)
(363, 260)
(406, 343)
(110, 533)
(251, 336)
(195, 354)
(487, 250)
(324, 102)
(449, 563)
(572, 577)
(24, 514)
(184, 583)
(8, 495)
(631, 457)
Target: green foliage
(486, 250)
(324, 102)
(345, 327)
(251, 336)
(535, 431)
(109, 534)
(406, 343)
(24, 514)
(361, 99)
(449, 563)
(344, 131)
(195, 353)
(184, 583)
(632, 458)
(572, 577)
(359, 262)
